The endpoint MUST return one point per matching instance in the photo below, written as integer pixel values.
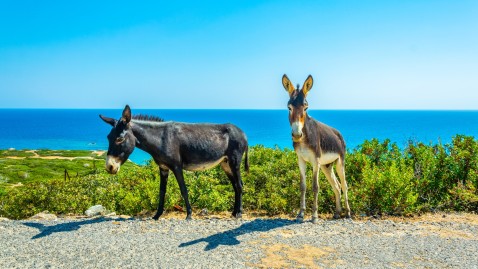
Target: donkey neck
(310, 137)
(309, 130)
(148, 134)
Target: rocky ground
(431, 241)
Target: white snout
(297, 129)
(113, 164)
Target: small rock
(86, 165)
(111, 214)
(203, 212)
(95, 210)
(45, 215)
(3, 219)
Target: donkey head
(297, 105)
(121, 141)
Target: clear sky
(394, 54)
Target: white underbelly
(309, 156)
(328, 157)
(306, 154)
(203, 166)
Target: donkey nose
(110, 169)
(297, 135)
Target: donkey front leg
(178, 173)
(315, 187)
(303, 187)
(163, 174)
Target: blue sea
(83, 129)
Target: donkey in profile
(175, 146)
(318, 144)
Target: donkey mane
(147, 118)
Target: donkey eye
(306, 108)
(120, 140)
(290, 108)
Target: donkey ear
(307, 85)
(110, 121)
(126, 117)
(287, 84)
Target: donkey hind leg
(340, 167)
(178, 173)
(329, 174)
(162, 191)
(315, 187)
(235, 169)
(303, 187)
(236, 185)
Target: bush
(382, 179)
(386, 190)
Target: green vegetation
(20, 166)
(382, 178)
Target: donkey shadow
(229, 238)
(46, 230)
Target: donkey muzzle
(297, 137)
(113, 164)
(296, 131)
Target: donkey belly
(203, 146)
(203, 165)
(309, 155)
(328, 157)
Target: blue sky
(232, 54)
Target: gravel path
(435, 241)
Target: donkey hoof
(336, 216)
(315, 220)
(299, 219)
(156, 217)
(238, 215)
(188, 217)
(348, 216)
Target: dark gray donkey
(176, 146)
(318, 144)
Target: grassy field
(25, 166)
(20, 167)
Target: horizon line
(317, 109)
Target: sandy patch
(467, 218)
(446, 232)
(453, 217)
(98, 152)
(37, 156)
(285, 256)
(50, 158)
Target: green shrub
(382, 179)
(385, 189)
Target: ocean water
(83, 129)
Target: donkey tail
(246, 159)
